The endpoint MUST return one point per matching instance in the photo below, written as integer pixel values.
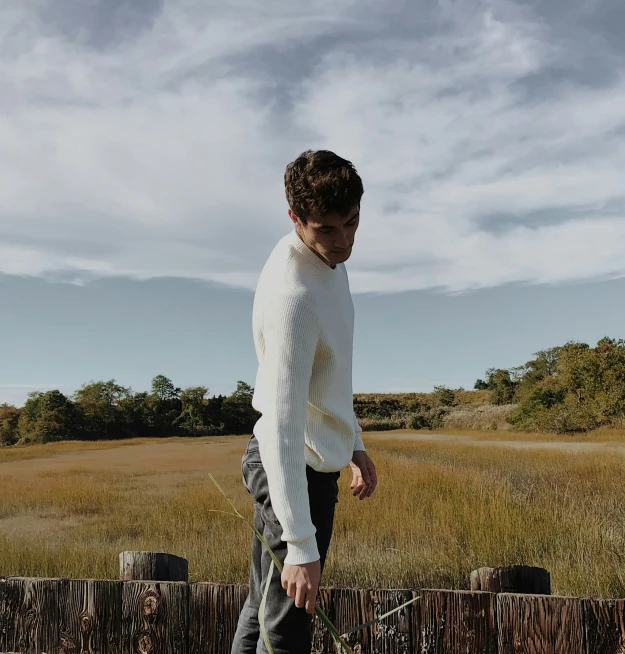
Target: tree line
(106, 410)
(563, 389)
(568, 388)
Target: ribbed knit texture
(303, 325)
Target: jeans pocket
(255, 481)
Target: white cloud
(163, 154)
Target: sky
(142, 153)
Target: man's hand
(364, 478)
(302, 583)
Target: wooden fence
(74, 616)
(93, 616)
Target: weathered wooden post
(512, 579)
(152, 566)
(155, 602)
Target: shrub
(382, 424)
(443, 396)
(432, 419)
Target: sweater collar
(311, 257)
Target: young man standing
(303, 323)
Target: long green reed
(338, 639)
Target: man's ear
(293, 217)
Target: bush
(432, 419)
(382, 424)
(443, 396)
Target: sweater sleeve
(358, 444)
(290, 332)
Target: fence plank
(393, 635)
(31, 607)
(350, 607)
(213, 615)
(540, 624)
(155, 617)
(458, 622)
(605, 626)
(322, 640)
(8, 610)
(90, 617)
(416, 624)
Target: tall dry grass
(486, 417)
(440, 511)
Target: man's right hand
(302, 583)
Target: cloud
(489, 150)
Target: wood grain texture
(89, 619)
(416, 624)
(214, 611)
(30, 615)
(349, 608)
(155, 617)
(9, 603)
(322, 640)
(605, 626)
(393, 635)
(540, 624)
(458, 622)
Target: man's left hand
(364, 478)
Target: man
(303, 322)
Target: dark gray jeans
(289, 628)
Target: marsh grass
(441, 510)
(601, 435)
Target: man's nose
(342, 242)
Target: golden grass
(441, 510)
(603, 434)
(38, 450)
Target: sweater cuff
(359, 446)
(302, 551)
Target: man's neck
(313, 250)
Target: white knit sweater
(303, 325)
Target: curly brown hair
(320, 182)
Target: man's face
(331, 236)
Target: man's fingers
(365, 475)
(359, 487)
(300, 597)
(311, 599)
(374, 480)
(364, 484)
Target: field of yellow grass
(442, 509)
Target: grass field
(441, 510)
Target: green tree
(576, 389)
(9, 424)
(502, 386)
(47, 417)
(194, 418)
(97, 403)
(237, 413)
(164, 389)
(163, 406)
